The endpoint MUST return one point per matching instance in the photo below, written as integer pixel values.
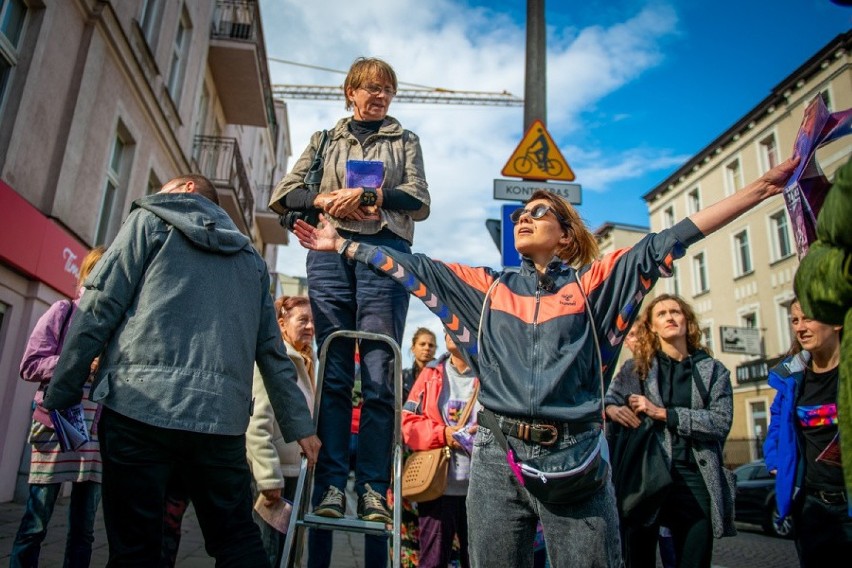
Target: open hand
(324, 239)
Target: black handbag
(313, 177)
(640, 471)
(557, 477)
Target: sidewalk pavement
(348, 547)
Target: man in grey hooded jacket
(179, 310)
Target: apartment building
(101, 102)
(742, 276)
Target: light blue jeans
(85, 498)
(502, 515)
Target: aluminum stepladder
(301, 519)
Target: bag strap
(64, 327)
(468, 407)
(313, 177)
(703, 391)
(487, 419)
(482, 312)
(597, 350)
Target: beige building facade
(742, 275)
(102, 102)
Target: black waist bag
(559, 477)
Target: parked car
(756, 500)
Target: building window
(769, 152)
(826, 98)
(693, 199)
(707, 337)
(742, 253)
(151, 18)
(12, 14)
(111, 189)
(203, 109)
(749, 319)
(759, 421)
(785, 336)
(780, 235)
(699, 274)
(733, 177)
(668, 218)
(180, 50)
(673, 283)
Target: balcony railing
(220, 160)
(239, 20)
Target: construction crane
(437, 96)
(413, 94)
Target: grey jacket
(179, 310)
(707, 427)
(399, 151)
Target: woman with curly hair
(674, 380)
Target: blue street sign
(507, 236)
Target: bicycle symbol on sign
(537, 155)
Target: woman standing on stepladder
(350, 296)
(532, 338)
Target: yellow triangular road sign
(538, 157)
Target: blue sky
(634, 89)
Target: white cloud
(446, 44)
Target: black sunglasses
(537, 212)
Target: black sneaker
(373, 507)
(333, 503)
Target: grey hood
(203, 222)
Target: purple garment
(42, 352)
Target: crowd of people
(193, 377)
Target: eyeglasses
(375, 89)
(537, 212)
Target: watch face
(369, 196)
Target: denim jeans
(349, 295)
(502, 515)
(139, 462)
(85, 498)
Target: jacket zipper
(535, 357)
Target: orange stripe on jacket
(600, 270)
(566, 301)
(474, 277)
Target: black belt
(828, 497)
(542, 432)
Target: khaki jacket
(398, 149)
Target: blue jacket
(179, 310)
(781, 448)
